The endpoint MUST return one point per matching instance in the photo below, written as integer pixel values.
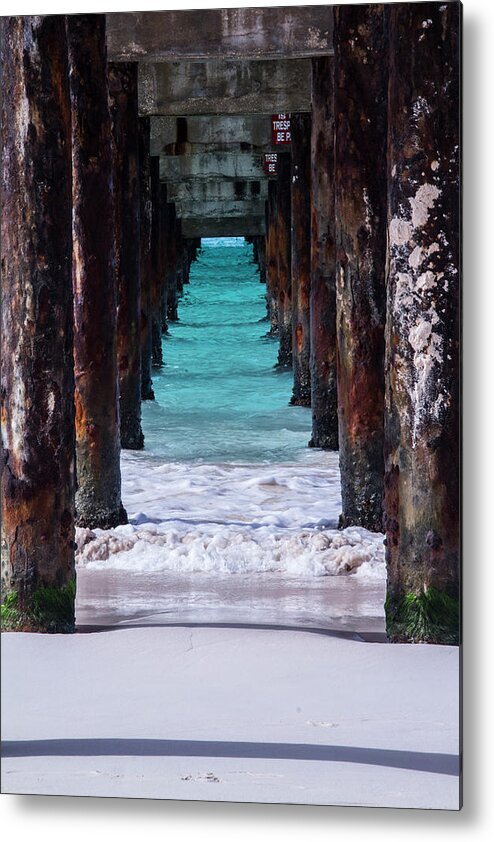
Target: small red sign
(270, 163)
(280, 129)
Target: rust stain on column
(167, 219)
(179, 265)
(422, 330)
(301, 258)
(98, 498)
(171, 264)
(261, 257)
(283, 244)
(323, 261)
(146, 268)
(38, 439)
(123, 106)
(157, 267)
(272, 257)
(361, 88)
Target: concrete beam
(209, 134)
(225, 87)
(203, 210)
(223, 227)
(214, 191)
(279, 32)
(210, 167)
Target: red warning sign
(280, 129)
(270, 163)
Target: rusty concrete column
(301, 192)
(179, 265)
(261, 255)
(186, 261)
(323, 261)
(37, 388)
(146, 269)
(422, 486)
(123, 106)
(171, 264)
(272, 256)
(283, 240)
(157, 268)
(167, 209)
(98, 498)
(360, 91)
(160, 301)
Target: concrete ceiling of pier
(226, 71)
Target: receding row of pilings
(374, 292)
(92, 264)
(361, 260)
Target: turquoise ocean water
(219, 396)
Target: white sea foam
(233, 519)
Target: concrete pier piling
(97, 428)
(146, 269)
(261, 256)
(167, 258)
(422, 477)
(301, 244)
(179, 259)
(324, 401)
(158, 282)
(272, 256)
(284, 261)
(171, 263)
(124, 111)
(360, 104)
(37, 388)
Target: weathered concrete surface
(224, 87)
(158, 290)
(271, 220)
(301, 244)
(361, 92)
(323, 262)
(194, 209)
(422, 486)
(211, 133)
(98, 497)
(259, 244)
(146, 269)
(179, 263)
(170, 257)
(241, 166)
(37, 389)
(284, 247)
(223, 227)
(218, 191)
(225, 33)
(123, 106)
